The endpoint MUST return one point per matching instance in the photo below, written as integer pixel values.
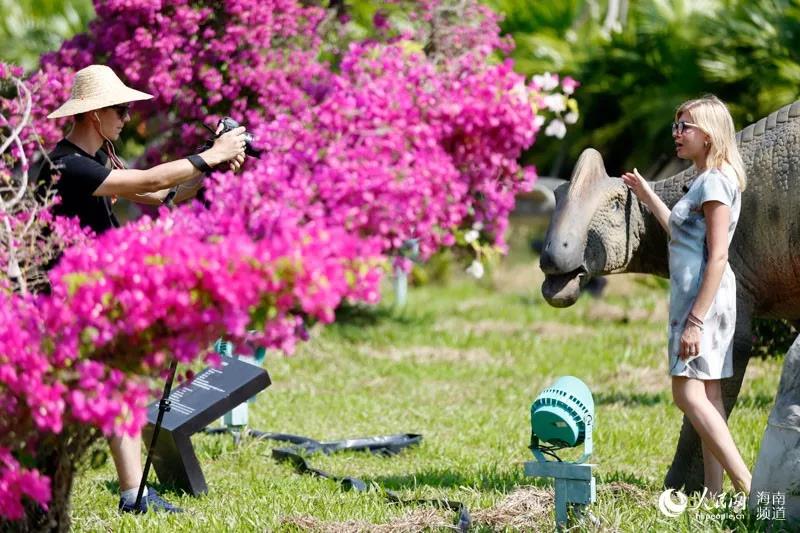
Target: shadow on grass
(649, 399)
(646, 399)
(368, 315)
(502, 482)
(620, 476)
(112, 486)
(756, 401)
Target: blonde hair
(712, 116)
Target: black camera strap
(199, 163)
(387, 445)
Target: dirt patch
(431, 354)
(658, 338)
(473, 303)
(480, 326)
(660, 314)
(550, 330)
(526, 278)
(629, 489)
(524, 509)
(417, 520)
(758, 368)
(628, 284)
(559, 330)
(602, 311)
(640, 379)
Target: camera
(229, 124)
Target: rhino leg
(686, 471)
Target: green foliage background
(30, 27)
(635, 68)
(661, 53)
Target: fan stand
(573, 482)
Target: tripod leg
(163, 407)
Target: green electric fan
(562, 416)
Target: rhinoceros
(599, 227)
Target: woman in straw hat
(91, 173)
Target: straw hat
(95, 87)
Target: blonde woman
(702, 309)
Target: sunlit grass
(461, 365)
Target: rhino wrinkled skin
(599, 227)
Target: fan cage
(553, 397)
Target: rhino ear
(589, 170)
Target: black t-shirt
(81, 175)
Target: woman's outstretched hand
(638, 185)
(650, 199)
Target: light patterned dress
(688, 255)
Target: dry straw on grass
(525, 509)
(415, 521)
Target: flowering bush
(413, 132)
(393, 142)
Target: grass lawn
(461, 365)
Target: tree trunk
(686, 471)
(58, 457)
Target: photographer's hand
(227, 147)
(237, 162)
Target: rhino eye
(615, 206)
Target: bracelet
(199, 163)
(693, 317)
(692, 320)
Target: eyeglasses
(680, 126)
(123, 110)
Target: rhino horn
(589, 171)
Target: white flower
(538, 120)
(477, 226)
(555, 103)
(475, 269)
(571, 117)
(520, 91)
(556, 128)
(471, 236)
(546, 81)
